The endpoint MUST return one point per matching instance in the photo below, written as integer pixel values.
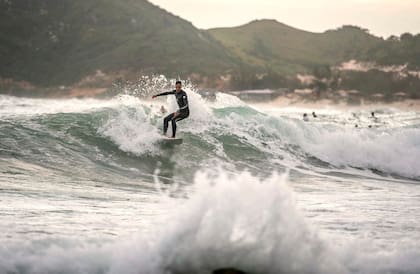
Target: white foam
(243, 222)
(131, 129)
(14, 106)
(224, 100)
(392, 145)
(228, 220)
(396, 152)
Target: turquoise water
(86, 187)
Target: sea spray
(228, 220)
(243, 222)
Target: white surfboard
(170, 140)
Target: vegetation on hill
(270, 44)
(274, 53)
(51, 43)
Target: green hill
(272, 53)
(52, 42)
(270, 44)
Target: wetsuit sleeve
(184, 102)
(166, 93)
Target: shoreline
(282, 101)
(297, 102)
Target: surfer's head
(178, 86)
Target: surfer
(183, 111)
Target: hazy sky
(381, 17)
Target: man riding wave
(183, 111)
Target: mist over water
(87, 187)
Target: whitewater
(86, 187)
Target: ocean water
(86, 187)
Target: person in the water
(183, 111)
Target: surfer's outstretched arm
(164, 93)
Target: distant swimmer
(183, 111)
(314, 114)
(305, 117)
(372, 116)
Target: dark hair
(178, 82)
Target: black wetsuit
(184, 111)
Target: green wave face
(121, 137)
(88, 186)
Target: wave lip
(395, 152)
